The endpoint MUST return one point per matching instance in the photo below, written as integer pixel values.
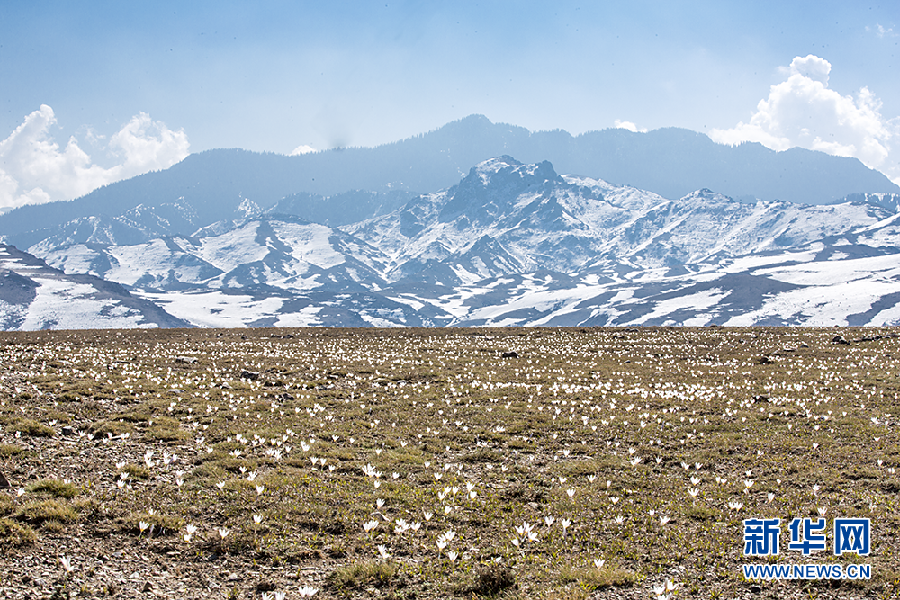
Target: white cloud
(33, 168)
(803, 111)
(300, 150)
(628, 125)
(882, 31)
(811, 67)
(148, 145)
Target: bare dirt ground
(509, 463)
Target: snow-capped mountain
(36, 296)
(512, 244)
(506, 217)
(258, 253)
(341, 186)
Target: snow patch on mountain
(511, 244)
(35, 296)
(218, 309)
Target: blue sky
(275, 76)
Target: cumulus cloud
(628, 125)
(304, 149)
(147, 145)
(803, 111)
(810, 67)
(34, 169)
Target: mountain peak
(495, 165)
(508, 167)
(494, 182)
(706, 194)
(476, 119)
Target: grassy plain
(440, 463)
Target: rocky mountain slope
(36, 296)
(512, 244)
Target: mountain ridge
(212, 185)
(511, 243)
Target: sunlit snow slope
(513, 244)
(35, 296)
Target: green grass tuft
(53, 487)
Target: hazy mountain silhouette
(213, 185)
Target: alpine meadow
(436, 463)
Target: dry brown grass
(114, 433)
